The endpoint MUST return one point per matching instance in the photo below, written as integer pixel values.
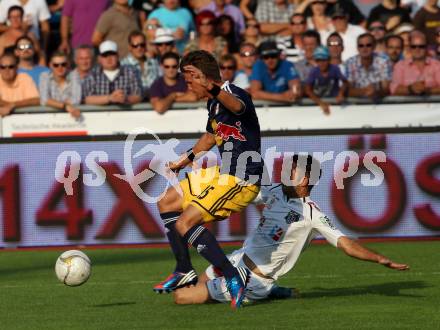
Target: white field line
(317, 276)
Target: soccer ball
(73, 268)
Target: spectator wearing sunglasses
(377, 29)
(171, 87)
(147, 68)
(368, 73)
(335, 46)
(27, 59)
(16, 89)
(164, 42)
(228, 71)
(109, 82)
(325, 80)
(419, 75)
(248, 57)
(59, 88)
(274, 79)
(427, 20)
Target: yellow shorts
(215, 195)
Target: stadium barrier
(95, 206)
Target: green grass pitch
(337, 293)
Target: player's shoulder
(233, 89)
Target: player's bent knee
(171, 201)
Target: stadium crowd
(63, 53)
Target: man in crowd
(394, 48)
(348, 32)
(274, 79)
(164, 42)
(292, 46)
(171, 87)
(269, 255)
(78, 21)
(419, 75)
(368, 73)
(83, 58)
(247, 59)
(25, 51)
(148, 68)
(228, 71)
(116, 23)
(110, 83)
(310, 40)
(335, 46)
(16, 89)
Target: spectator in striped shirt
(109, 82)
(58, 88)
(292, 46)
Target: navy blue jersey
(237, 133)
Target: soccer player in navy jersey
(232, 126)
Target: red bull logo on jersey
(225, 131)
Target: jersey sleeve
(324, 226)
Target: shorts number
(205, 192)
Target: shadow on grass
(392, 289)
(116, 304)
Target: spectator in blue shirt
(272, 78)
(325, 80)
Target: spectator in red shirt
(419, 75)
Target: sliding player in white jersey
(290, 221)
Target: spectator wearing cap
(335, 46)
(206, 39)
(116, 24)
(377, 29)
(26, 53)
(171, 87)
(274, 17)
(272, 78)
(390, 14)
(368, 73)
(83, 57)
(394, 48)
(220, 7)
(292, 46)
(164, 42)
(419, 75)
(176, 18)
(354, 14)
(427, 20)
(78, 21)
(110, 83)
(147, 68)
(348, 32)
(228, 71)
(310, 40)
(403, 31)
(16, 89)
(325, 80)
(58, 88)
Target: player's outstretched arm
(355, 250)
(205, 143)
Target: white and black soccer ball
(73, 268)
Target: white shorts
(258, 287)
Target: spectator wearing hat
(368, 73)
(355, 16)
(419, 75)
(176, 18)
(427, 20)
(16, 89)
(394, 48)
(171, 87)
(348, 32)
(109, 82)
(272, 78)
(116, 24)
(403, 31)
(59, 88)
(310, 40)
(206, 39)
(147, 68)
(325, 80)
(164, 42)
